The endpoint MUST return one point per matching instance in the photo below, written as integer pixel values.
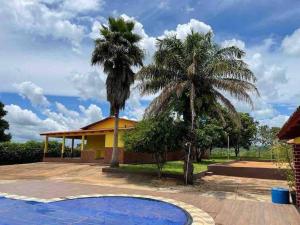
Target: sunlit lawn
(174, 167)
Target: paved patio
(228, 200)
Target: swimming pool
(109, 210)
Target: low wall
(251, 172)
(169, 175)
(126, 157)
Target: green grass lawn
(253, 154)
(174, 167)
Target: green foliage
(241, 134)
(248, 130)
(284, 158)
(117, 51)
(11, 153)
(191, 77)
(54, 150)
(3, 125)
(196, 61)
(156, 136)
(209, 133)
(267, 135)
(254, 153)
(173, 167)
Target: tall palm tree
(117, 51)
(199, 72)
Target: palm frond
(229, 106)
(161, 102)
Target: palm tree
(117, 51)
(197, 72)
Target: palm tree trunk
(189, 168)
(115, 153)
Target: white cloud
(64, 111)
(82, 5)
(182, 30)
(26, 125)
(164, 4)
(90, 85)
(276, 121)
(34, 17)
(275, 75)
(95, 30)
(32, 92)
(291, 43)
(234, 42)
(189, 9)
(73, 120)
(134, 108)
(147, 43)
(92, 113)
(60, 72)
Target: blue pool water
(91, 211)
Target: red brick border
(297, 172)
(252, 172)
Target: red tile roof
(291, 129)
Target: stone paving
(223, 198)
(212, 186)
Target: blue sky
(47, 82)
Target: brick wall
(134, 157)
(297, 170)
(108, 153)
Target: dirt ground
(223, 187)
(252, 164)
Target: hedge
(11, 153)
(31, 151)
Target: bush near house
(12, 153)
(157, 136)
(31, 151)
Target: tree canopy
(4, 126)
(195, 73)
(156, 136)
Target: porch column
(46, 146)
(82, 143)
(63, 146)
(297, 171)
(72, 147)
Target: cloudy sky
(47, 82)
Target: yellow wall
(109, 139)
(109, 123)
(96, 143)
(297, 140)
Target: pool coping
(199, 217)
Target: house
(291, 132)
(96, 143)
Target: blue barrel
(280, 195)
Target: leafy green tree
(285, 160)
(117, 51)
(209, 133)
(156, 136)
(266, 136)
(198, 71)
(242, 134)
(3, 125)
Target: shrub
(11, 153)
(284, 159)
(156, 136)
